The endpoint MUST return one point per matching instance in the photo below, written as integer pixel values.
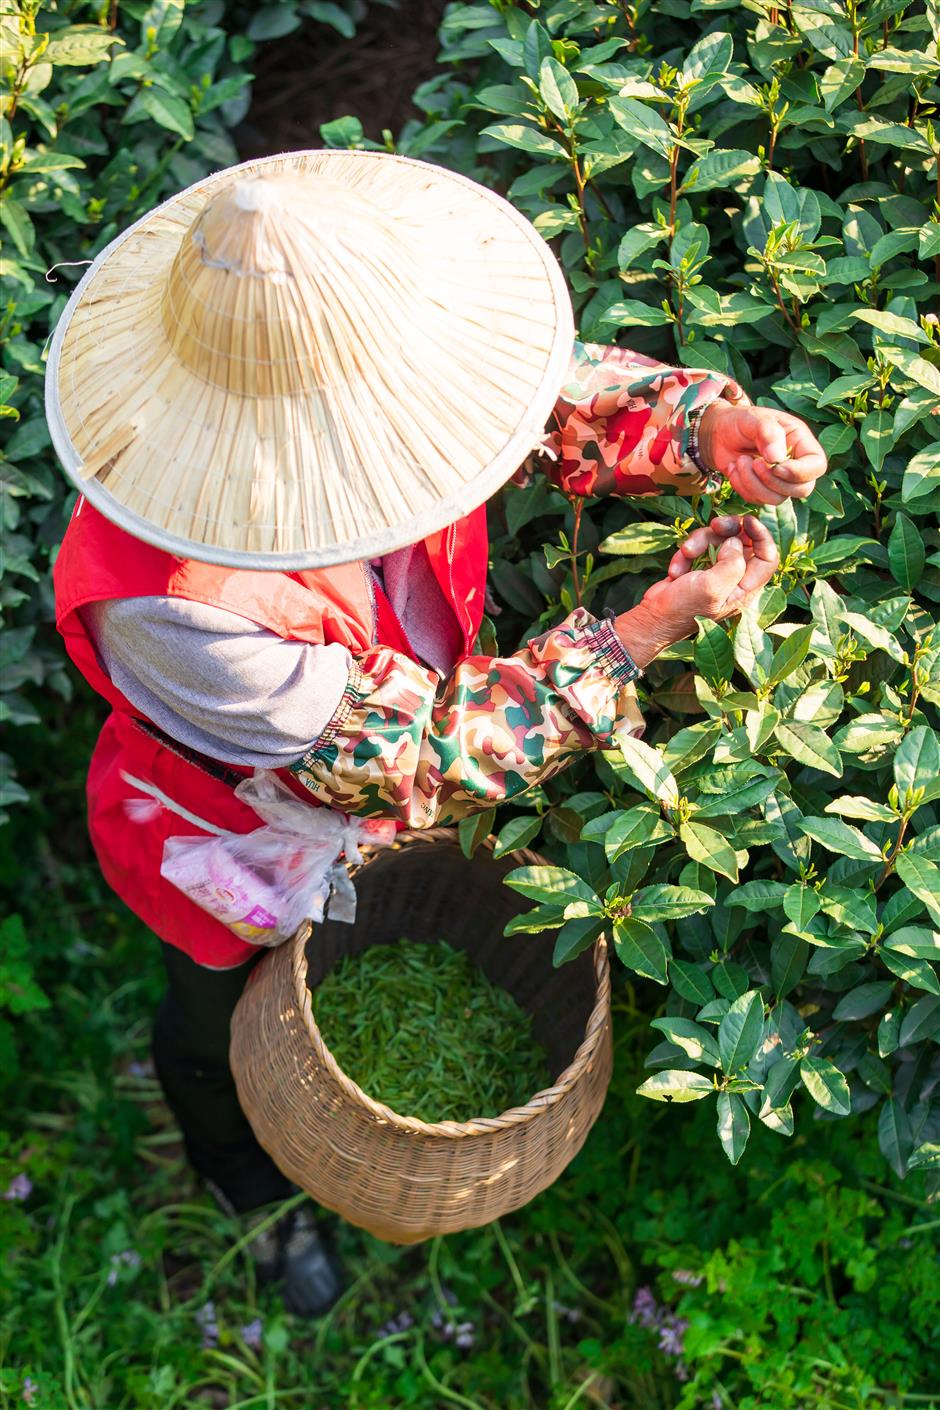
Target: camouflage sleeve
(407, 744)
(622, 424)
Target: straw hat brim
(144, 437)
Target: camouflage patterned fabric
(407, 744)
(621, 425)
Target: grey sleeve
(216, 681)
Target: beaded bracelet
(713, 478)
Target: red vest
(98, 561)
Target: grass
(804, 1277)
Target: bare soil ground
(314, 75)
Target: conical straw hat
(308, 359)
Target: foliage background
(744, 186)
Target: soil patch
(314, 75)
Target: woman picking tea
(285, 396)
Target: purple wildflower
(399, 1323)
(29, 1389)
(671, 1335)
(463, 1335)
(717, 1403)
(252, 1333)
(20, 1187)
(646, 1310)
(140, 1069)
(129, 1258)
(682, 1372)
(206, 1321)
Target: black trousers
(190, 1050)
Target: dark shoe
(294, 1253)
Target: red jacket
(99, 561)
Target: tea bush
(106, 109)
(750, 188)
(791, 765)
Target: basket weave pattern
(403, 1179)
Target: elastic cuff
(612, 656)
(352, 696)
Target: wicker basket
(402, 1179)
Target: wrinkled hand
(746, 560)
(768, 455)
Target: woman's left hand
(768, 455)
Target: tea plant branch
(893, 854)
(577, 507)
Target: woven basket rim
(475, 1126)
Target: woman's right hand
(746, 560)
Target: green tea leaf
(574, 937)
(691, 982)
(840, 837)
(526, 139)
(740, 1031)
(895, 1138)
(556, 884)
(734, 1125)
(923, 878)
(810, 746)
(916, 941)
(558, 89)
(800, 904)
(790, 654)
(707, 846)
(921, 1021)
(694, 1040)
(920, 974)
(758, 895)
(639, 947)
(474, 830)
(856, 806)
(917, 760)
(826, 1085)
(864, 1000)
(516, 834)
(906, 554)
(662, 902)
(643, 766)
(922, 475)
(676, 1086)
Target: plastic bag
(263, 884)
